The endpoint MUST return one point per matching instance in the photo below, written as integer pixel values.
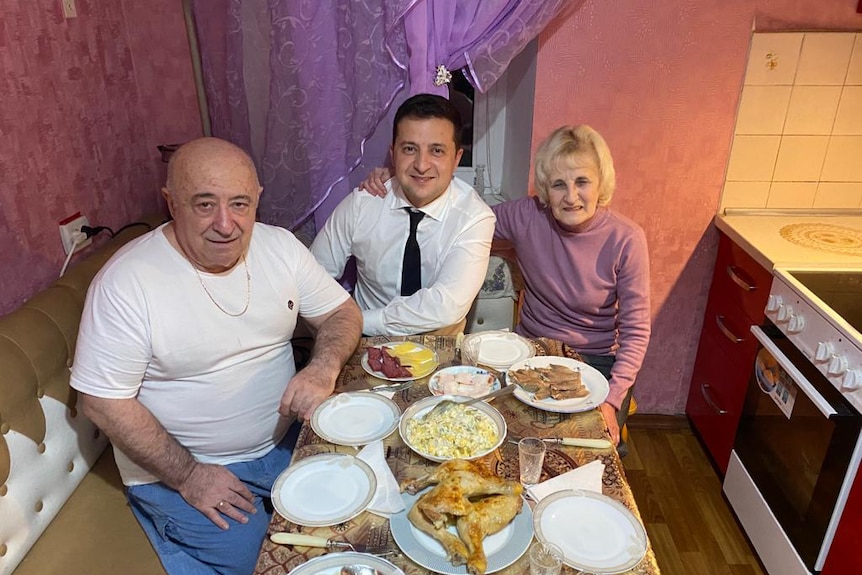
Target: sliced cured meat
(375, 358)
(392, 366)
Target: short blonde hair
(568, 142)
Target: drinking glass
(531, 455)
(545, 559)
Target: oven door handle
(818, 400)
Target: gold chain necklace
(247, 289)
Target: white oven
(799, 442)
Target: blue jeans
(188, 543)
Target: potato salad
(458, 432)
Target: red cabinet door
(715, 398)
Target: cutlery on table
(283, 538)
(571, 441)
(398, 386)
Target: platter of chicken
(562, 384)
(460, 518)
(399, 361)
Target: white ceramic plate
(429, 369)
(424, 405)
(596, 533)
(497, 349)
(325, 489)
(590, 376)
(476, 374)
(355, 418)
(502, 548)
(331, 564)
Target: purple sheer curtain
(481, 36)
(303, 84)
(334, 69)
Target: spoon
(447, 404)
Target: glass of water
(531, 455)
(545, 559)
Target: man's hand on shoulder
(375, 183)
(215, 491)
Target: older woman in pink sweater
(585, 268)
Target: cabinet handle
(704, 387)
(719, 320)
(738, 280)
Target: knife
(572, 441)
(283, 538)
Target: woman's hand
(375, 183)
(609, 412)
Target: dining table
(521, 419)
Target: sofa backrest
(46, 445)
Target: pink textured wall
(83, 104)
(660, 80)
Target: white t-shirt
(454, 240)
(213, 381)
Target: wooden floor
(690, 525)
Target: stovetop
(841, 291)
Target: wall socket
(69, 9)
(69, 229)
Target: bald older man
(184, 360)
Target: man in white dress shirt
(454, 234)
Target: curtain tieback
(443, 76)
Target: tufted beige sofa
(62, 507)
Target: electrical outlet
(69, 8)
(69, 230)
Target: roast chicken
(470, 497)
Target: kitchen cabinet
(726, 351)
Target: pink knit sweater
(589, 289)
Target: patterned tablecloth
(522, 420)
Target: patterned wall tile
(772, 58)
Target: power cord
(97, 230)
(77, 239)
(88, 232)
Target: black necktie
(411, 270)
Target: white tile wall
(824, 59)
(838, 195)
(800, 158)
(791, 195)
(762, 109)
(854, 73)
(798, 135)
(848, 122)
(773, 58)
(812, 110)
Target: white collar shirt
(455, 242)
